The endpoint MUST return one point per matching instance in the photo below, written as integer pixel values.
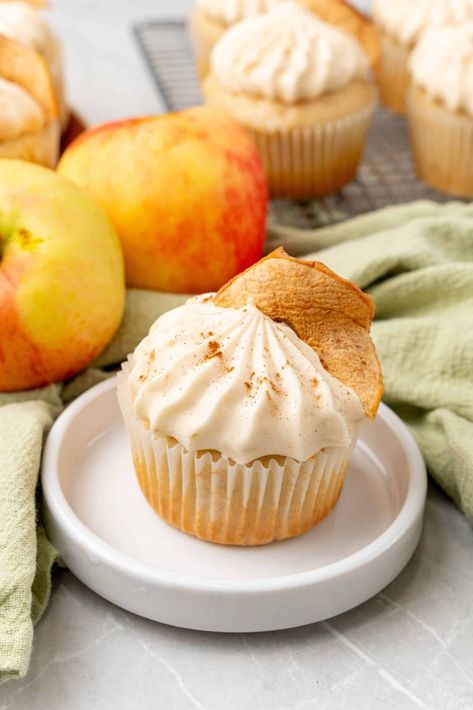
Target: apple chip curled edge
(346, 17)
(329, 313)
(25, 67)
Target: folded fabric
(416, 261)
(26, 555)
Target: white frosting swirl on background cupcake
(231, 11)
(287, 55)
(19, 112)
(442, 64)
(235, 381)
(407, 19)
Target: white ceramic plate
(113, 542)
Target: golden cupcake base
(308, 149)
(214, 501)
(442, 144)
(313, 161)
(218, 500)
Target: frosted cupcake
(301, 87)
(440, 109)
(29, 122)
(211, 18)
(240, 434)
(401, 23)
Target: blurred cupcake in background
(401, 23)
(440, 108)
(302, 88)
(211, 18)
(29, 124)
(26, 23)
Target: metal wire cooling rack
(386, 175)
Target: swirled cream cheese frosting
(406, 20)
(19, 112)
(287, 55)
(442, 64)
(231, 11)
(235, 381)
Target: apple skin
(186, 193)
(62, 285)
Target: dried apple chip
(348, 18)
(24, 66)
(329, 313)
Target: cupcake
(25, 22)
(301, 87)
(243, 407)
(211, 18)
(440, 108)
(29, 115)
(401, 24)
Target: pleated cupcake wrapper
(442, 143)
(313, 160)
(216, 499)
(393, 73)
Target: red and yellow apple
(61, 277)
(185, 191)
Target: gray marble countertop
(409, 647)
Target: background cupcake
(440, 108)
(239, 434)
(302, 89)
(29, 123)
(211, 18)
(401, 23)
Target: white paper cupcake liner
(313, 160)
(442, 143)
(216, 499)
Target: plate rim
(82, 536)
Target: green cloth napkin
(416, 261)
